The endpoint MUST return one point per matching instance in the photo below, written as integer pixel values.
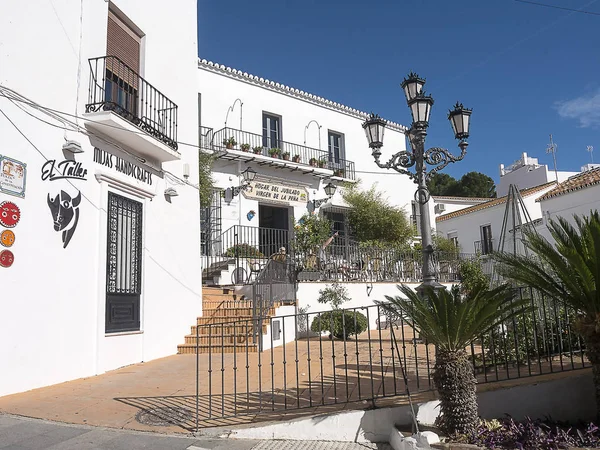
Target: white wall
(579, 202)
(529, 176)
(566, 399)
(220, 89)
(54, 296)
(468, 226)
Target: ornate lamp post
(436, 157)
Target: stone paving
(18, 433)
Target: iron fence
(246, 250)
(281, 363)
(252, 143)
(114, 86)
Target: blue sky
(527, 71)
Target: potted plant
(296, 158)
(312, 162)
(286, 156)
(338, 173)
(245, 147)
(322, 163)
(229, 143)
(257, 150)
(274, 152)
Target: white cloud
(585, 109)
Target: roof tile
(574, 183)
(492, 203)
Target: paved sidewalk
(17, 433)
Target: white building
(525, 173)
(578, 195)
(100, 268)
(477, 228)
(320, 142)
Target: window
(123, 264)
(271, 131)
(486, 246)
(339, 222)
(123, 44)
(336, 146)
(453, 237)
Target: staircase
(226, 325)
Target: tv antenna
(590, 149)
(552, 149)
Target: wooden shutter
(123, 42)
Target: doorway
(274, 225)
(123, 264)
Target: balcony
(484, 247)
(124, 106)
(234, 144)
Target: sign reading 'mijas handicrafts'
(291, 195)
(120, 165)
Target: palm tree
(452, 321)
(568, 271)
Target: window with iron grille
(210, 225)
(123, 264)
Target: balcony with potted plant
(274, 152)
(266, 152)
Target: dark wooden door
(123, 264)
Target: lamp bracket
(440, 157)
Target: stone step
(184, 349)
(235, 312)
(217, 340)
(238, 328)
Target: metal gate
(123, 264)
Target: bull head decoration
(65, 214)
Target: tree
(441, 183)
(311, 231)
(452, 321)
(372, 219)
(472, 184)
(205, 180)
(569, 272)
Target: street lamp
(248, 176)
(329, 189)
(436, 157)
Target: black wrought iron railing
(114, 86)
(232, 139)
(255, 368)
(248, 249)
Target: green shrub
(243, 251)
(345, 323)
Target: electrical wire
(76, 127)
(42, 155)
(564, 8)
(56, 114)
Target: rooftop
(574, 183)
(290, 91)
(493, 202)
(461, 199)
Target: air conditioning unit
(439, 208)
